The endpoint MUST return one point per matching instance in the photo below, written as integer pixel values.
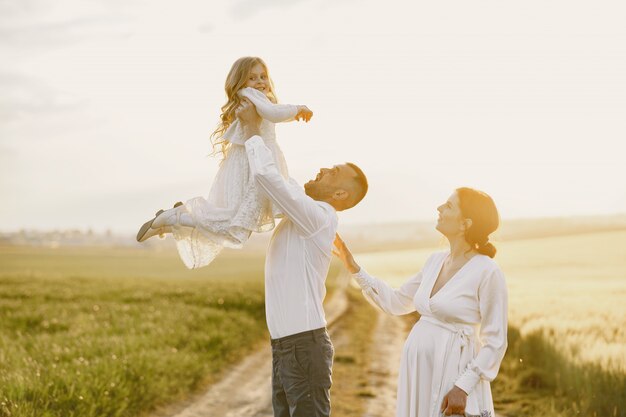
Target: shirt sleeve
(493, 299)
(275, 113)
(306, 213)
(396, 301)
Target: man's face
(330, 180)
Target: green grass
(83, 337)
(536, 379)
(116, 332)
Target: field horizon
(384, 236)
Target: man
(297, 262)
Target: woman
(456, 347)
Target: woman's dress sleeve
(272, 112)
(396, 301)
(493, 299)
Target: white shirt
(299, 252)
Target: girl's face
(450, 221)
(258, 79)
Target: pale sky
(106, 106)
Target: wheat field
(567, 317)
(572, 288)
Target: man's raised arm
(301, 209)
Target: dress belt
(462, 335)
(463, 332)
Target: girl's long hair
(235, 81)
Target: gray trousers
(302, 374)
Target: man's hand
(249, 118)
(454, 402)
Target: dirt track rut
(245, 391)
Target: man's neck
(329, 201)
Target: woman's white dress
(234, 208)
(460, 338)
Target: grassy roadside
(536, 379)
(89, 347)
(116, 332)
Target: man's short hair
(361, 180)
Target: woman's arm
(493, 298)
(393, 301)
(275, 113)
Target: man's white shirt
(299, 253)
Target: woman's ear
(467, 223)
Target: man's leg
(321, 375)
(307, 376)
(279, 397)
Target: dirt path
(246, 389)
(389, 336)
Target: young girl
(234, 208)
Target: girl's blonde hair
(235, 81)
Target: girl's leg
(155, 232)
(171, 217)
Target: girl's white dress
(460, 338)
(234, 208)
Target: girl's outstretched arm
(275, 113)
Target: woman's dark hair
(480, 208)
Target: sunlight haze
(106, 107)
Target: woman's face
(450, 219)
(258, 79)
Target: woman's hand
(304, 113)
(454, 402)
(342, 252)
